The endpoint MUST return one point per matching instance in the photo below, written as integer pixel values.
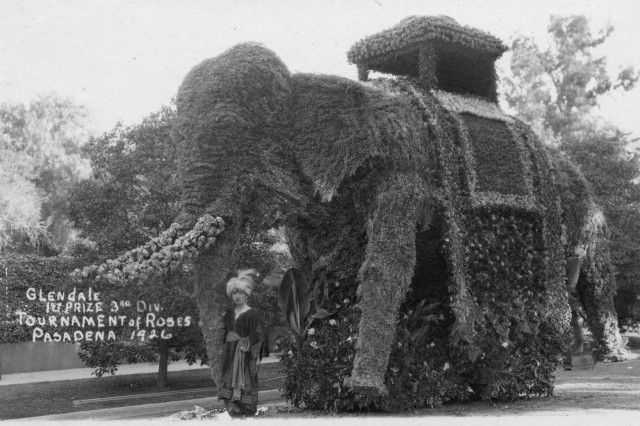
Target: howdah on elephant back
(439, 226)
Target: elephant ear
(294, 297)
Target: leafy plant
(298, 300)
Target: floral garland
(471, 105)
(159, 256)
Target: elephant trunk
(212, 270)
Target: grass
(45, 398)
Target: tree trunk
(163, 348)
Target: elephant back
(341, 127)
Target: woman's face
(239, 297)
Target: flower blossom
(314, 345)
(333, 322)
(311, 331)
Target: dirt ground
(600, 394)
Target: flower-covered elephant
(438, 226)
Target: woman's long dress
(244, 331)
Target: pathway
(85, 373)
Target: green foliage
(20, 205)
(105, 357)
(612, 168)
(153, 279)
(20, 272)
(294, 298)
(133, 200)
(318, 363)
(174, 295)
(135, 190)
(40, 146)
(54, 274)
(555, 90)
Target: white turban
(243, 282)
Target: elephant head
(230, 127)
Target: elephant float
(439, 227)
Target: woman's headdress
(244, 281)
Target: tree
(20, 204)
(134, 190)
(133, 196)
(556, 91)
(40, 145)
(613, 168)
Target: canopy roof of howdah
(413, 32)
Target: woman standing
(242, 349)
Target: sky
(125, 59)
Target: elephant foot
(366, 386)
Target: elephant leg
(575, 344)
(385, 276)
(596, 289)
